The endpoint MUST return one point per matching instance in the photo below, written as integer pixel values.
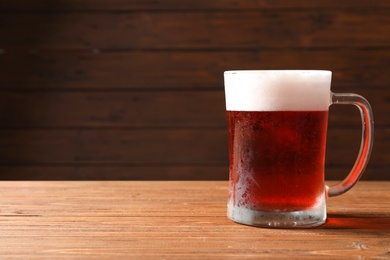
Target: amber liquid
(277, 159)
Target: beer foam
(277, 90)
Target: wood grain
(124, 171)
(221, 29)
(164, 5)
(154, 220)
(121, 146)
(165, 109)
(169, 109)
(182, 69)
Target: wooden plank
(182, 69)
(115, 172)
(118, 146)
(145, 146)
(165, 109)
(151, 220)
(214, 30)
(151, 172)
(136, 5)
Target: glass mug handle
(366, 143)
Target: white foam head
(277, 90)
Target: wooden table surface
(177, 220)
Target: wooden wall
(133, 89)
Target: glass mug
(277, 126)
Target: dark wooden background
(133, 89)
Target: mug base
(278, 219)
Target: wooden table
(182, 220)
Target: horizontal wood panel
(114, 172)
(215, 30)
(151, 172)
(148, 109)
(113, 109)
(182, 69)
(118, 146)
(158, 146)
(137, 5)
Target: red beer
(276, 159)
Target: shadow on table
(358, 221)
